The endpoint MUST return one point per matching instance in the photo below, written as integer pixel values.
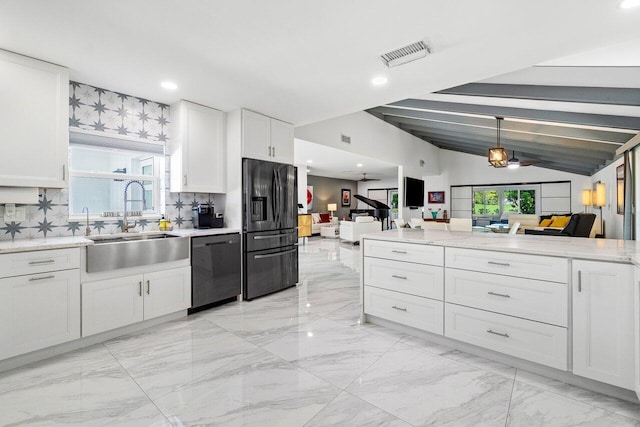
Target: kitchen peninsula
(564, 307)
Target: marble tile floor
(296, 358)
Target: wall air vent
(406, 54)
(345, 138)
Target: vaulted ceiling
(538, 127)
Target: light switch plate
(13, 213)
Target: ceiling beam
(568, 160)
(588, 95)
(546, 129)
(580, 119)
(545, 165)
(489, 135)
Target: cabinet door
(282, 141)
(110, 304)
(256, 136)
(603, 340)
(198, 162)
(34, 122)
(38, 311)
(166, 292)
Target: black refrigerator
(270, 250)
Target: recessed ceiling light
(359, 165)
(514, 166)
(308, 170)
(169, 85)
(628, 4)
(379, 80)
(309, 161)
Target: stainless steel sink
(118, 251)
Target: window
(101, 167)
(496, 201)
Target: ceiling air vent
(345, 138)
(406, 54)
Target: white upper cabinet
(265, 138)
(197, 149)
(603, 319)
(34, 122)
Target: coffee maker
(202, 216)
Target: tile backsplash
(100, 110)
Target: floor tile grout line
(136, 383)
(376, 406)
(513, 386)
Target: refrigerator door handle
(274, 181)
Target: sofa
(316, 223)
(352, 230)
(580, 225)
(539, 222)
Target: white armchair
(352, 230)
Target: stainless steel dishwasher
(216, 262)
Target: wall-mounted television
(413, 192)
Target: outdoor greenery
(487, 202)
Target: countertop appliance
(202, 216)
(215, 270)
(270, 261)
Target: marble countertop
(26, 245)
(627, 251)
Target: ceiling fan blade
(529, 162)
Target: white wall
(302, 187)
(372, 137)
(612, 221)
(466, 169)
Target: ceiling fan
(365, 179)
(515, 163)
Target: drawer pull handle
(46, 261)
(489, 331)
(395, 251)
(399, 308)
(502, 264)
(33, 279)
(399, 277)
(499, 295)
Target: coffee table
(330, 232)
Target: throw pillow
(324, 217)
(559, 221)
(315, 217)
(545, 222)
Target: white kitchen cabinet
(113, 303)
(38, 311)
(167, 292)
(197, 149)
(603, 319)
(265, 138)
(34, 122)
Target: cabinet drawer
(416, 279)
(410, 252)
(21, 263)
(537, 342)
(38, 311)
(418, 312)
(509, 264)
(526, 298)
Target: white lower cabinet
(421, 313)
(603, 319)
(38, 311)
(534, 341)
(410, 278)
(113, 303)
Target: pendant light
(498, 157)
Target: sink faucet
(125, 223)
(87, 230)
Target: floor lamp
(599, 200)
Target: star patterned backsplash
(101, 110)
